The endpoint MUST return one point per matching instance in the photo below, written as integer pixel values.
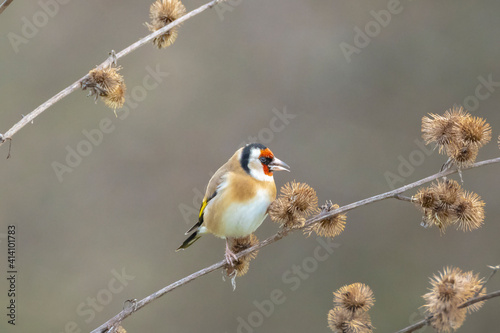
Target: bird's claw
(231, 258)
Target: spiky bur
(462, 155)
(330, 227)
(241, 266)
(162, 13)
(457, 134)
(115, 98)
(343, 321)
(473, 131)
(108, 84)
(469, 210)
(448, 291)
(350, 312)
(439, 129)
(356, 297)
(445, 203)
(296, 202)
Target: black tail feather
(190, 240)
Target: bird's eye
(265, 160)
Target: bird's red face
(266, 156)
(259, 162)
(271, 163)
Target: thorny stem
(74, 86)
(116, 320)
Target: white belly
(242, 219)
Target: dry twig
(4, 5)
(427, 320)
(74, 86)
(113, 322)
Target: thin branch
(68, 90)
(479, 299)
(4, 5)
(428, 319)
(116, 320)
(493, 272)
(403, 197)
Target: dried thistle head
(438, 217)
(436, 128)
(425, 198)
(475, 284)
(445, 295)
(437, 202)
(162, 13)
(448, 290)
(458, 134)
(445, 203)
(462, 155)
(116, 97)
(108, 84)
(301, 197)
(447, 192)
(447, 322)
(243, 264)
(341, 320)
(356, 297)
(288, 218)
(473, 131)
(295, 203)
(469, 211)
(442, 129)
(330, 227)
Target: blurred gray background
(126, 205)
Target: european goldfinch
(238, 196)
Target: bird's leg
(229, 255)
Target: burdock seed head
(329, 227)
(356, 297)
(161, 13)
(108, 84)
(341, 320)
(295, 203)
(238, 245)
(448, 291)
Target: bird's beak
(278, 165)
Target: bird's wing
(213, 189)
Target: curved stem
(4, 5)
(427, 320)
(68, 90)
(116, 320)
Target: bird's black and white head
(259, 162)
